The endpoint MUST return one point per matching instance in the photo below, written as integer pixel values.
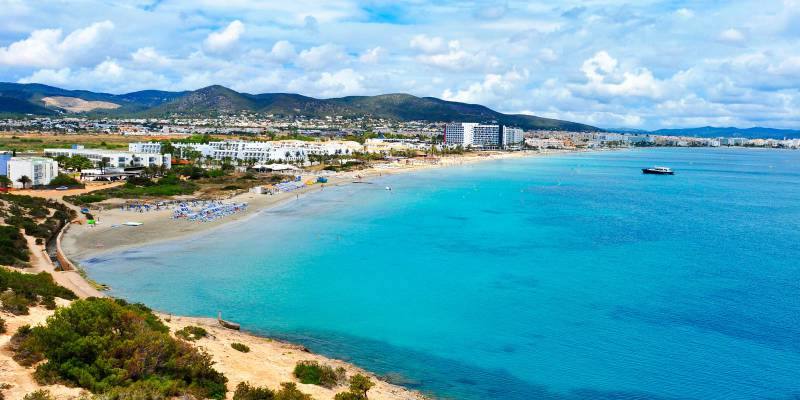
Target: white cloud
(732, 36)
(283, 51)
(148, 56)
(226, 38)
(319, 57)
(105, 75)
(46, 48)
(330, 84)
(428, 44)
(372, 55)
(491, 88)
(605, 79)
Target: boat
(129, 223)
(658, 171)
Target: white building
(386, 146)
(544, 143)
(513, 138)
(115, 158)
(485, 137)
(275, 151)
(40, 170)
(145, 147)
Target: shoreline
(81, 242)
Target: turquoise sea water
(565, 277)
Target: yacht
(658, 171)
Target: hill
(21, 99)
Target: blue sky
(639, 64)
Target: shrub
(39, 395)
(3, 328)
(191, 333)
(13, 303)
(25, 351)
(240, 347)
(246, 392)
(311, 372)
(359, 385)
(64, 180)
(289, 391)
(106, 345)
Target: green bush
(18, 291)
(14, 304)
(240, 347)
(359, 386)
(246, 392)
(13, 246)
(39, 395)
(64, 180)
(2, 326)
(311, 372)
(105, 345)
(191, 333)
(288, 391)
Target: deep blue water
(565, 277)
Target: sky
(638, 64)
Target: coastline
(82, 241)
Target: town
(272, 144)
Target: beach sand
(269, 362)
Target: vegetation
(169, 185)
(191, 333)
(240, 347)
(64, 180)
(3, 328)
(359, 386)
(288, 391)
(75, 163)
(39, 395)
(18, 291)
(118, 349)
(311, 372)
(38, 217)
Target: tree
(5, 182)
(79, 163)
(360, 384)
(103, 164)
(24, 180)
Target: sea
(570, 276)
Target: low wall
(66, 264)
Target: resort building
(145, 147)
(291, 151)
(386, 146)
(484, 137)
(39, 170)
(115, 158)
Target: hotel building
(40, 170)
(484, 137)
(115, 158)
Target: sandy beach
(84, 241)
(270, 362)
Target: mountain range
(37, 99)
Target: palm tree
(24, 180)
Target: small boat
(388, 188)
(133, 223)
(658, 171)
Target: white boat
(129, 223)
(658, 171)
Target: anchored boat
(658, 171)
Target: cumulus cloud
(372, 55)
(330, 84)
(283, 51)
(226, 38)
(148, 56)
(604, 78)
(428, 44)
(493, 87)
(731, 36)
(108, 73)
(47, 48)
(319, 57)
